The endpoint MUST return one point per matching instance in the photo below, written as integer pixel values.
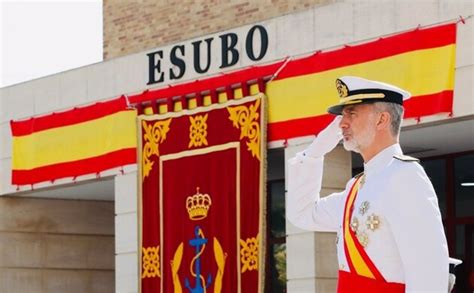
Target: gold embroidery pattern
(220, 257)
(249, 254)
(154, 135)
(198, 131)
(246, 118)
(175, 264)
(151, 262)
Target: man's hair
(396, 113)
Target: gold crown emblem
(198, 205)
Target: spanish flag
(76, 142)
(420, 61)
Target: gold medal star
(373, 222)
(363, 239)
(364, 206)
(354, 224)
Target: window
(464, 185)
(436, 171)
(275, 281)
(453, 180)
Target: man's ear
(384, 121)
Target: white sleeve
(415, 220)
(304, 207)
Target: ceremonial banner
(201, 182)
(75, 142)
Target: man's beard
(351, 145)
(360, 141)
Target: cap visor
(336, 110)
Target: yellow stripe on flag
(421, 72)
(75, 142)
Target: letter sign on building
(202, 53)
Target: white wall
(126, 233)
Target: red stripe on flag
(429, 104)
(69, 117)
(298, 127)
(209, 84)
(414, 108)
(384, 47)
(75, 168)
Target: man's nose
(343, 124)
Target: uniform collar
(381, 160)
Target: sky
(40, 38)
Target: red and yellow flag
(102, 136)
(80, 141)
(421, 61)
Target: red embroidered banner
(202, 201)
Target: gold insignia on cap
(342, 88)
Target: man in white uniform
(389, 228)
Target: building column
(126, 233)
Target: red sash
(349, 282)
(364, 275)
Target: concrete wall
(126, 233)
(311, 256)
(56, 245)
(134, 26)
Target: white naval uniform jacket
(407, 246)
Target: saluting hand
(326, 140)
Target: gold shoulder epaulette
(406, 158)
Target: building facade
(81, 234)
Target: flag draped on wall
(76, 142)
(202, 198)
(95, 138)
(421, 61)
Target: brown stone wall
(56, 245)
(134, 26)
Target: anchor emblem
(199, 244)
(198, 207)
